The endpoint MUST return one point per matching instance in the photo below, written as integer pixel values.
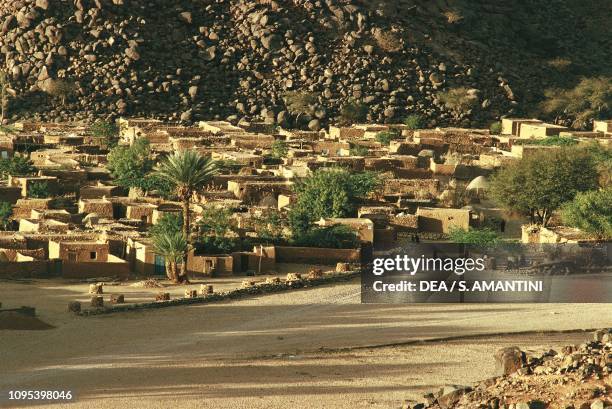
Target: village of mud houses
(318, 204)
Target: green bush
(329, 193)
(495, 128)
(354, 112)
(16, 166)
(359, 150)
(477, 237)
(591, 212)
(335, 237)
(279, 149)
(108, 131)
(386, 137)
(414, 121)
(39, 190)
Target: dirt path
(266, 352)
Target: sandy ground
(313, 348)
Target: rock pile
(232, 59)
(577, 377)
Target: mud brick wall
(410, 186)
(311, 255)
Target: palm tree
(172, 246)
(187, 171)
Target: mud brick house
(82, 259)
(441, 220)
(251, 141)
(25, 183)
(411, 187)
(604, 127)
(102, 207)
(512, 126)
(219, 127)
(540, 130)
(23, 208)
(257, 192)
(100, 190)
(243, 158)
(42, 226)
(141, 211)
(364, 228)
(134, 128)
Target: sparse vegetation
(186, 171)
(329, 193)
(457, 100)
(60, 89)
(173, 247)
(549, 141)
(590, 99)
(388, 41)
(217, 231)
(335, 237)
(453, 16)
(414, 121)
(5, 94)
(129, 165)
(354, 111)
(300, 102)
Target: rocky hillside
(204, 59)
(576, 377)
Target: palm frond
(170, 245)
(186, 169)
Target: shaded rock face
(236, 58)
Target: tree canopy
(591, 212)
(540, 183)
(129, 165)
(329, 193)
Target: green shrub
(386, 137)
(495, 128)
(39, 190)
(414, 121)
(335, 237)
(354, 112)
(591, 211)
(477, 237)
(359, 150)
